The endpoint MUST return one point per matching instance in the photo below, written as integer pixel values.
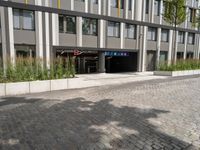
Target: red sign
(77, 52)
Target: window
(157, 7)
(191, 38)
(152, 34)
(147, 7)
(130, 31)
(1, 56)
(95, 1)
(25, 51)
(165, 35)
(23, 19)
(114, 3)
(130, 4)
(89, 26)
(181, 37)
(16, 19)
(80, 0)
(113, 29)
(192, 14)
(67, 24)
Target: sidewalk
(90, 80)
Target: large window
(152, 34)
(23, 19)
(130, 4)
(192, 14)
(67, 24)
(95, 1)
(165, 35)
(130, 31)
(147, 7)
(113, 29)
(115, 4)
(89, 26)
(191, 38)
(181, 37)
(25, 51)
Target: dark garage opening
(116, 64)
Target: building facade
(102, 38)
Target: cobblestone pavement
(157, 114)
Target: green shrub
(29, 69)
(189, 64)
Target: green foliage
(175, 12)
(28, 69)
(181, 65)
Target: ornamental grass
(30, 69)
(189, 64)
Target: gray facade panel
(113, 42)
(67, 39)
(151, 45)
(89, 41)
(130, 44)
(24, 37)
(164, 46)
(181, 48)
(80, 6)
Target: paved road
(157, 114)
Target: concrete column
(122, 26)
(99, 6)
(39, 31)
(47, 39)
(101, 62)
(10, 35)
(138, 10)
(169, 59)
(158, 47)
(108, 8)
(72, 4)
(86, 6)
(79, 31)
(142, 48)
(3, 37)
(161, 11)
(126, 4)
(55, 29)
(198, 46)
(90, 6)
(101, 33)
(152, 11)
(185, 45)
(133, 10)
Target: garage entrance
(121, 62)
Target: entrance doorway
(121, 62)
(151, 61)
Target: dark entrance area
(121, 62)
(151, 60)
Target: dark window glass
(70, 24)
(61, 24)
(89, 26)
(25, 51)
(130, 31)
(113, 29)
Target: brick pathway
(158, 114)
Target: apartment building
(101, 36)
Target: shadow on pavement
(77, 124)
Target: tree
(174, 14)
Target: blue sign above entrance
(111, 53)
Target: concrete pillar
(169, 59)
(101, 62)
(133, 10)
(138, 10)
(55, 29)
(108, 7)
(198, 51)
(72, 4)
(39, 32)
(79, 31)
(10, 35)
(47, 39)
(142, 48)
(161, 11)
(3, 37)
(86, 6)
(126, 4)
(122, 26)
(101, 33)
(100, 6)
(152, 11)
(158, 47)
(185, 45)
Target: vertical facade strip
(79, 31)
(185, 45)
(158, 46)
(169, 58)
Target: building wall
(46, 34)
